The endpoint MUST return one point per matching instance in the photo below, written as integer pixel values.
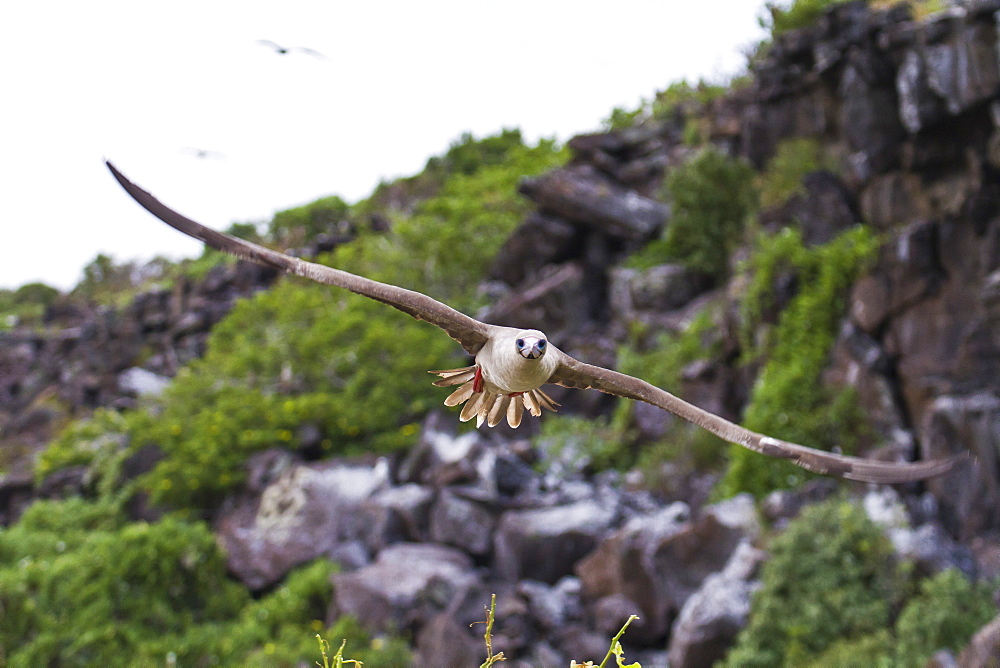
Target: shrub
(100, 442)
(294, 227)
(712, 196)
(679, 96)
(830, 577)
(800, 14)
(79, 585)
(793, 160)
(789, 400)
(943, 615)
(84, 592)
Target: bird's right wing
(469, 332)
(574, 373)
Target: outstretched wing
(469, 332)
(576, 374)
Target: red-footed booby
(511, 365)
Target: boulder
(712, 616)
(622, 576)
(406, 586)
(583, 196)
(308, 512)
(545, 543)
(397, 514)
(538, 242)
(462, 522)
(984, 648)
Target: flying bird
(285, 50)
(203, 153)
(512, 365)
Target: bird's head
(531, 344)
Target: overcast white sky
(140, 82)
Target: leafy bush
(679, 96)
(789, 400)
(79, 585)
(830, 577)
(445, 247)
(800, 14)
(292, 357)
(100, 442)
(467, 155)
(572, 444)
(793, 160)
(712, 196)
(294, 227)
(26, 305)
(943, 615)
(829, 593)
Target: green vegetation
(829, 595)
(26, 305)
(663, 365)
(80, 585)
(793, 160)
(800, 14)
(574, 444)
(678, 97)
(782, 17)
(295, 227)
(944, 614)
(712, 197)
(789, 400)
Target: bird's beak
(532, 350)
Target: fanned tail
(486, 406)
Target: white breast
(505, 370)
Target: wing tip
(900, 473)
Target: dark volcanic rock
(544, 544)
(583, 196)
(404, 588)
(712, 616)
(540, 241)
(308, 512)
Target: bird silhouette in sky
(285, 50)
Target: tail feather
(461, 395)
(485, 407)
(545, 400)
(471, 407)
(454, 376)
(531, 403)
(499, 410)
(514, 412)
(488, 407)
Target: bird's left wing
(576, 374)
(469, 332)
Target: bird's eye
(541, 344)
(520, 343)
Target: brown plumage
(512, 365)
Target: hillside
(207, 461)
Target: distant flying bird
(202, 153)
(511, 365)
(285, 50)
